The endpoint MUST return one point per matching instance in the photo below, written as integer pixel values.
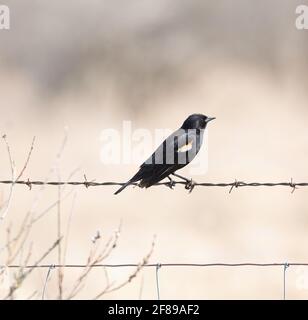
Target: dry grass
(18, 251)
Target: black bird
(174, 153)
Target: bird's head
(196, 121)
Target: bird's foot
(190, 184)
(171, 183)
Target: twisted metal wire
(189, 184)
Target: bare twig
(23, 275)
(13, 169)
(60, 270)
(141, 288)
(65, 246)
(95, 258)
(27, 160)
(13, 172)
(139, 267)
(32, 295)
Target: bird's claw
(190, 185)
(171, 183)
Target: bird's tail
(135, 178)
(123, 187)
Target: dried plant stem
(109, 288)
(60, 270)
(23, 275)
(27, 160)
(13, 169)
(13, 173)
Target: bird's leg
(190, 183)
(171, 183)
(181, 177)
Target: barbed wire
(189, 184)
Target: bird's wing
(174, 153)
(175, 146)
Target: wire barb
(190, 185)
(235, 184)
(86, 183)
(29, 184)
(293, 186)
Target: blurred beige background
(83, 66)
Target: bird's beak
(210, 119)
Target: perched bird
(174, 153)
